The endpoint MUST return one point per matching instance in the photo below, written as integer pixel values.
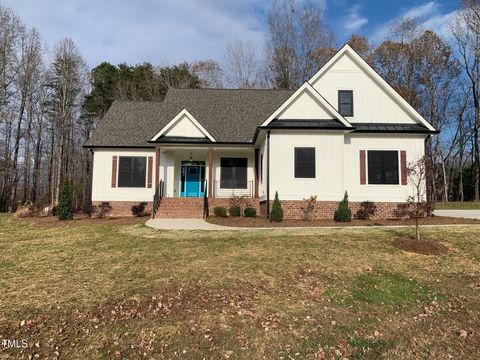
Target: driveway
(467, 214)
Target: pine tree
(343, 213)
(277, 212)
(65, 203)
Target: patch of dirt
(424, 247)
(262, 222)
(82, 220)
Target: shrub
(234, 210)
(277, 212)
(220, 211)
(366, 211)
(250, 212)
(101, 210)
(309, 210)
(23, 211)
(65, 202)
(343, 213)
(139, 209)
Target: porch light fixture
(191, 157)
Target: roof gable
(306, 103)
(183, 125)
(380, 102)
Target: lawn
(458, 205)
(107, 289)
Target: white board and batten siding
(337, 165)
(102, 189)
(371, 103)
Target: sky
(166, 32)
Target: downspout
(268, 174)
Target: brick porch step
(191, 208)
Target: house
(344, 129)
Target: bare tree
(209, 73)
(242, 65)
(466, 32)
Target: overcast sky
(167, 32)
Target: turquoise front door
(192, 181)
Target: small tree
(239, 203)
(417, 206)
(65, 201)
(343, 213)
(277, 212)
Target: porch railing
(232, 188)
(157, 197)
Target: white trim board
(190, 117)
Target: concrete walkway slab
(186, 224)
(200, 224)
(466, 214)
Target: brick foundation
(118, 208)
(292, 209)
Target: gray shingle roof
(228, 115)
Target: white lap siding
(102, 189)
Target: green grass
(458, 205)
(102, 287)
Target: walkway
(467, 214)
(186, 224)
(200, 224)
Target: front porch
(192, 180)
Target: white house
(345, 129)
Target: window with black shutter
(345, 102)
(383, 167)
(132, 171)
(304, 162)
(233, 173)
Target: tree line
(50, 101)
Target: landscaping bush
(101, 210)
(343, 213)
(220, 211)
(250, 212)
(277, 212)
(366, 211)
(234, 210)
(139, 209)
(65, 202)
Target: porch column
(210, 172)
(257, 153)
(157, 166)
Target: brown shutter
(149, 171)
(403, 166)
(363, 170)
(114, 171)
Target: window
(233, 173)
(132, 171)
(383, 167)
(305, 162)
(345, 102)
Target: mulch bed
(84, 219)
(262, 222)
(424, 246)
